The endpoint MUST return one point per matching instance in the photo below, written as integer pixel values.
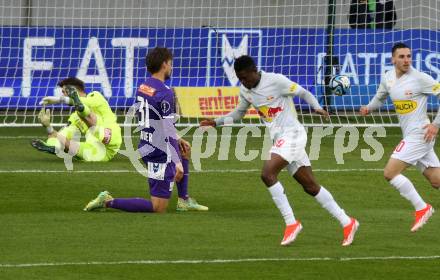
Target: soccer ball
(340, 85)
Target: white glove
(55, 100)
(50, 100)
(44, 117)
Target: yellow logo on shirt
(293, 87)
(405, 106)
(436, 88)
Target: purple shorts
(161, 179)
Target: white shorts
(290, 145)
(416, 152)
(294, 166)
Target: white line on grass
(153, 262)
(192, 171)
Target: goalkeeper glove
(44, 118)
(55, 100)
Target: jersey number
(144, 119)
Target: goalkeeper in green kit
(93, 118)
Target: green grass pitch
(44, 234)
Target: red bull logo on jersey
(405, 106)
(268, 113)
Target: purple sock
(182, 186)
(131, 204)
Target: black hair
(399, 45)
(244, 62)
(72, 81)
(156, 57)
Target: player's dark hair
(72, 81)
(244, 62)
(399, 45)
(156, 57)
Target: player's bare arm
(208, 122)
(364, 111)
(185, 148)
(323, 113)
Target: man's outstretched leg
(83, 110)
(269, 175)
(105, 200)
(305, 177)
(423, 210)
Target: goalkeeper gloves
(44, 118)
(48, 100)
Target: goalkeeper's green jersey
(99, 105)
(107, 131)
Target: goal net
(104, 43)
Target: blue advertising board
(112, 60)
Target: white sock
(327, 202)
(280, 199)
(407, 190)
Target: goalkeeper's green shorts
(101, 145)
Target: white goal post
(104, 43)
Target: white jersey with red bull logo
(273, 100)
(409, 94)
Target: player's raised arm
(50, 100)
(289, 88)
(233, 116)
(311, 100)
(377, 101)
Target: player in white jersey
(272, 96)
(409, 90)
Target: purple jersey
(156, 115)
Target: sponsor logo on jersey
(436, 87)
(269, 98)
(268, 113)
(147, 90)
(293, 87)
(408, 93)
(405, 106)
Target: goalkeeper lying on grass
(92, 118)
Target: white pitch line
(216, 261)
(192, 171)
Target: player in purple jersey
(164, 154)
